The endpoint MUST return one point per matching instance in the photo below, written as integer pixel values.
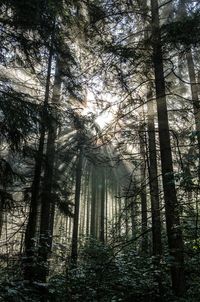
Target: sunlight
(103, 110)
(103, 119)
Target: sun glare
(102, 116)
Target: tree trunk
(143, 195)
(47, 197)
(174, 234)
(93, 205)
(88, 205)
(33, 211)
(74, 253)
(106, 204)
(193, 84)
(153, 179)
(102, 217)
(195, 99)
(126, 208)
(1, 222)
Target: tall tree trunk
(120, 211)
(143, 195)
(126, 208)
(102, 217)
(47, 197)
(1, 222)
(93, 204)
(174, 234)
(74, 253)
(195, 99)
(88, 204)
(30, 232)
(153, 179)
(106, 205)
(98, 208)
(82, 222)
(194, 85)
(134, 217)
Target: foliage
(100, 276)
(19, 118)
(179, 32)
(103, 275)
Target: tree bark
(93, 205)
(102, 217)
(88, 204)
(143, 196)
(30, 232)
(195, 100)
(74, 253)
(174, 234)
(47, 197)
(153, 179)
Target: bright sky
(103, 116)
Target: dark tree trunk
(102, 217)
(98, 207)
(88, 205)
(194, 85)
(35, 189)
(153, 179)
(120, 211)
(47, 196)
(1, 222)
(143, 195)
(106, 205)
(133, 218)
(74, 253)
(93, 204)
(174, 234)
(195, 99)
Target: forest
(100, 150)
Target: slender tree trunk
(106, 205)
(33, 211)
(66, 228)
(74, 252)
(194, 85)
(98, 208)
(195, 100)
(133, 218)
(70, 229)
(153, 179)
(102, 217)
(174, 234)
(143, 195)
(126, 218)
(93, 205)
(82, 222)
(84, 202)
(1, 222)
(88, 205)
(120, 211)
(47, 199)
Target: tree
(74, 252)
(175, 240)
